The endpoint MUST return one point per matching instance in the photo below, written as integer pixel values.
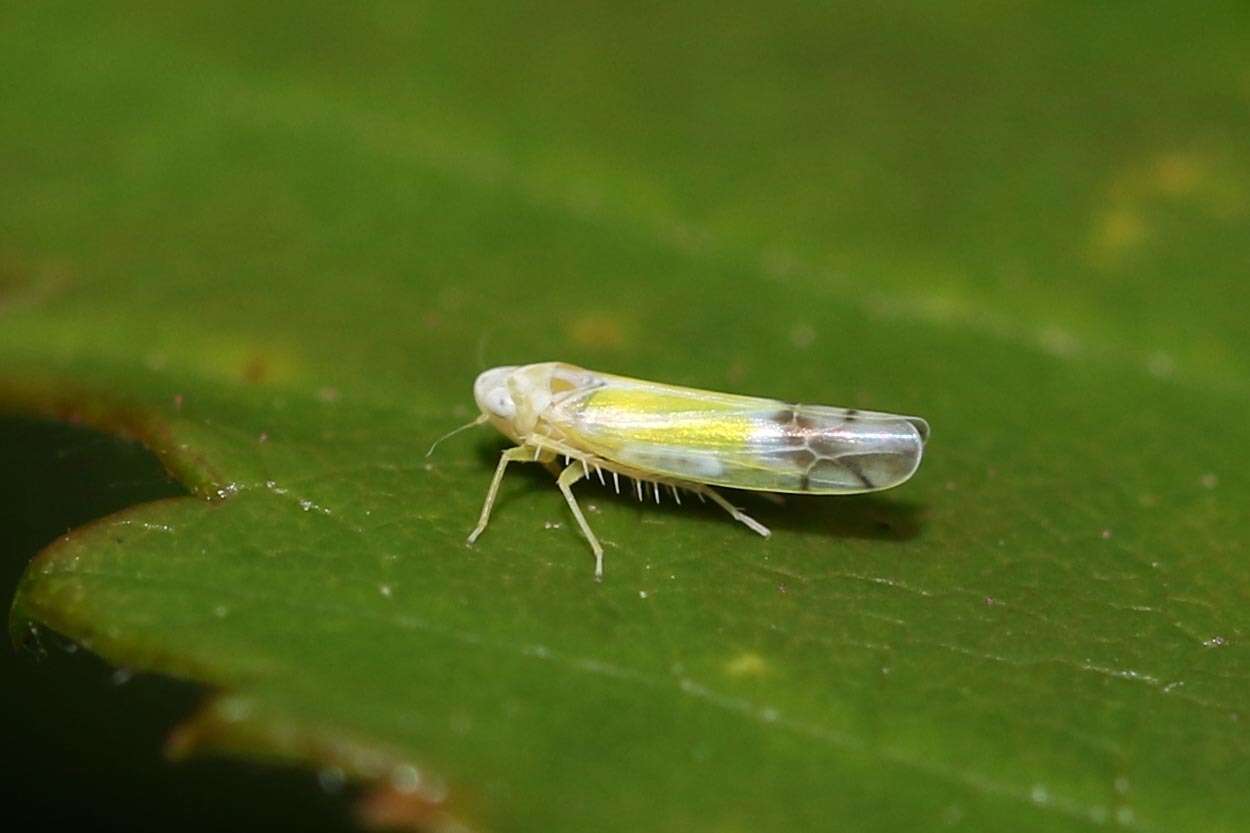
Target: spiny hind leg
(518, 454)
(738, 514)
(574, 472)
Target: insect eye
(501, 403)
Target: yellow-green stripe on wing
(740, 442)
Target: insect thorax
(536, 387)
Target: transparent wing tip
(921, 427)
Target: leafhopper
(676, 439)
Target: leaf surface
(278, 246)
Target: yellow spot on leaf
(1178, 174)
(596, 329)
(260, 364)
(1143, 199)
(1117, 232)
(746, 665)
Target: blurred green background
(274, 245)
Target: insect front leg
(512, 454)
(738, 514)
(574, 472)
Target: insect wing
(740, 442)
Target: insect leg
(738, 515)
(512, 454)
(571, 475)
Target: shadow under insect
(844, 516)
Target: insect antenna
(481, 419)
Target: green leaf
(276, 245)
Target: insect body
(682, 439)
